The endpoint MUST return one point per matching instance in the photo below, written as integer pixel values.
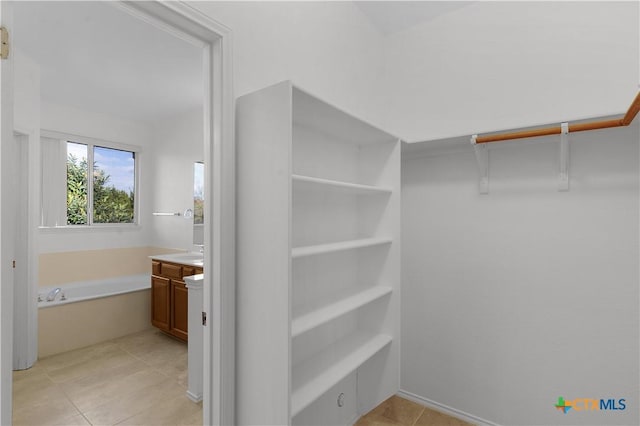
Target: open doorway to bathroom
(131, 86)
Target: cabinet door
(160, 302)
(179, 309)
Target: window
(87, 182)
(198, 204)
(198, 193)
(109, 196)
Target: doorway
(186, 23)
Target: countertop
(189, 259)
(194, 281)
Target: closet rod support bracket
(482, 157)
(563, 180)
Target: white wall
(512, 299)
(327, 48)
(26, 106)
(82, 122)
(498, 65)
(177, 144)
(85, 123)
(484, 67)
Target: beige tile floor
(139, 379)
(397, 411)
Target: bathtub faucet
(53, 293)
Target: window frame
(90, 142)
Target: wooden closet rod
(578, 127)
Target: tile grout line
(128, 418)
(86, 419)
(66, 395)
(75, 406)
(157, 370)
(418, 418)
(59, 387)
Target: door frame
(189, 23)
(185, 21)
(6, 224)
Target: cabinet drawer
(155, 267)
(171, 271)
(190, 270)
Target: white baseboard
(470, 418)
(193, 397)
(355, 419)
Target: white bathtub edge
(138, 282)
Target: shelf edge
(366, 297)
(356, 187)
(336, 247)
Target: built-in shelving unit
(318, 261)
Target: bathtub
(93, 312)
(95, 289)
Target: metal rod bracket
(482, 157)
(563, 180)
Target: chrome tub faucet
(53, 293)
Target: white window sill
(117, 227)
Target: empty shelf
(334, 310)
(314, 183)
(333, 247)
(317, 375)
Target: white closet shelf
(314, 183)
(323, 315)
(340, 246)
(314, 377)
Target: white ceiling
(96, 56)
(394, 16)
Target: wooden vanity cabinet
(169, 297)
(160, 302)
